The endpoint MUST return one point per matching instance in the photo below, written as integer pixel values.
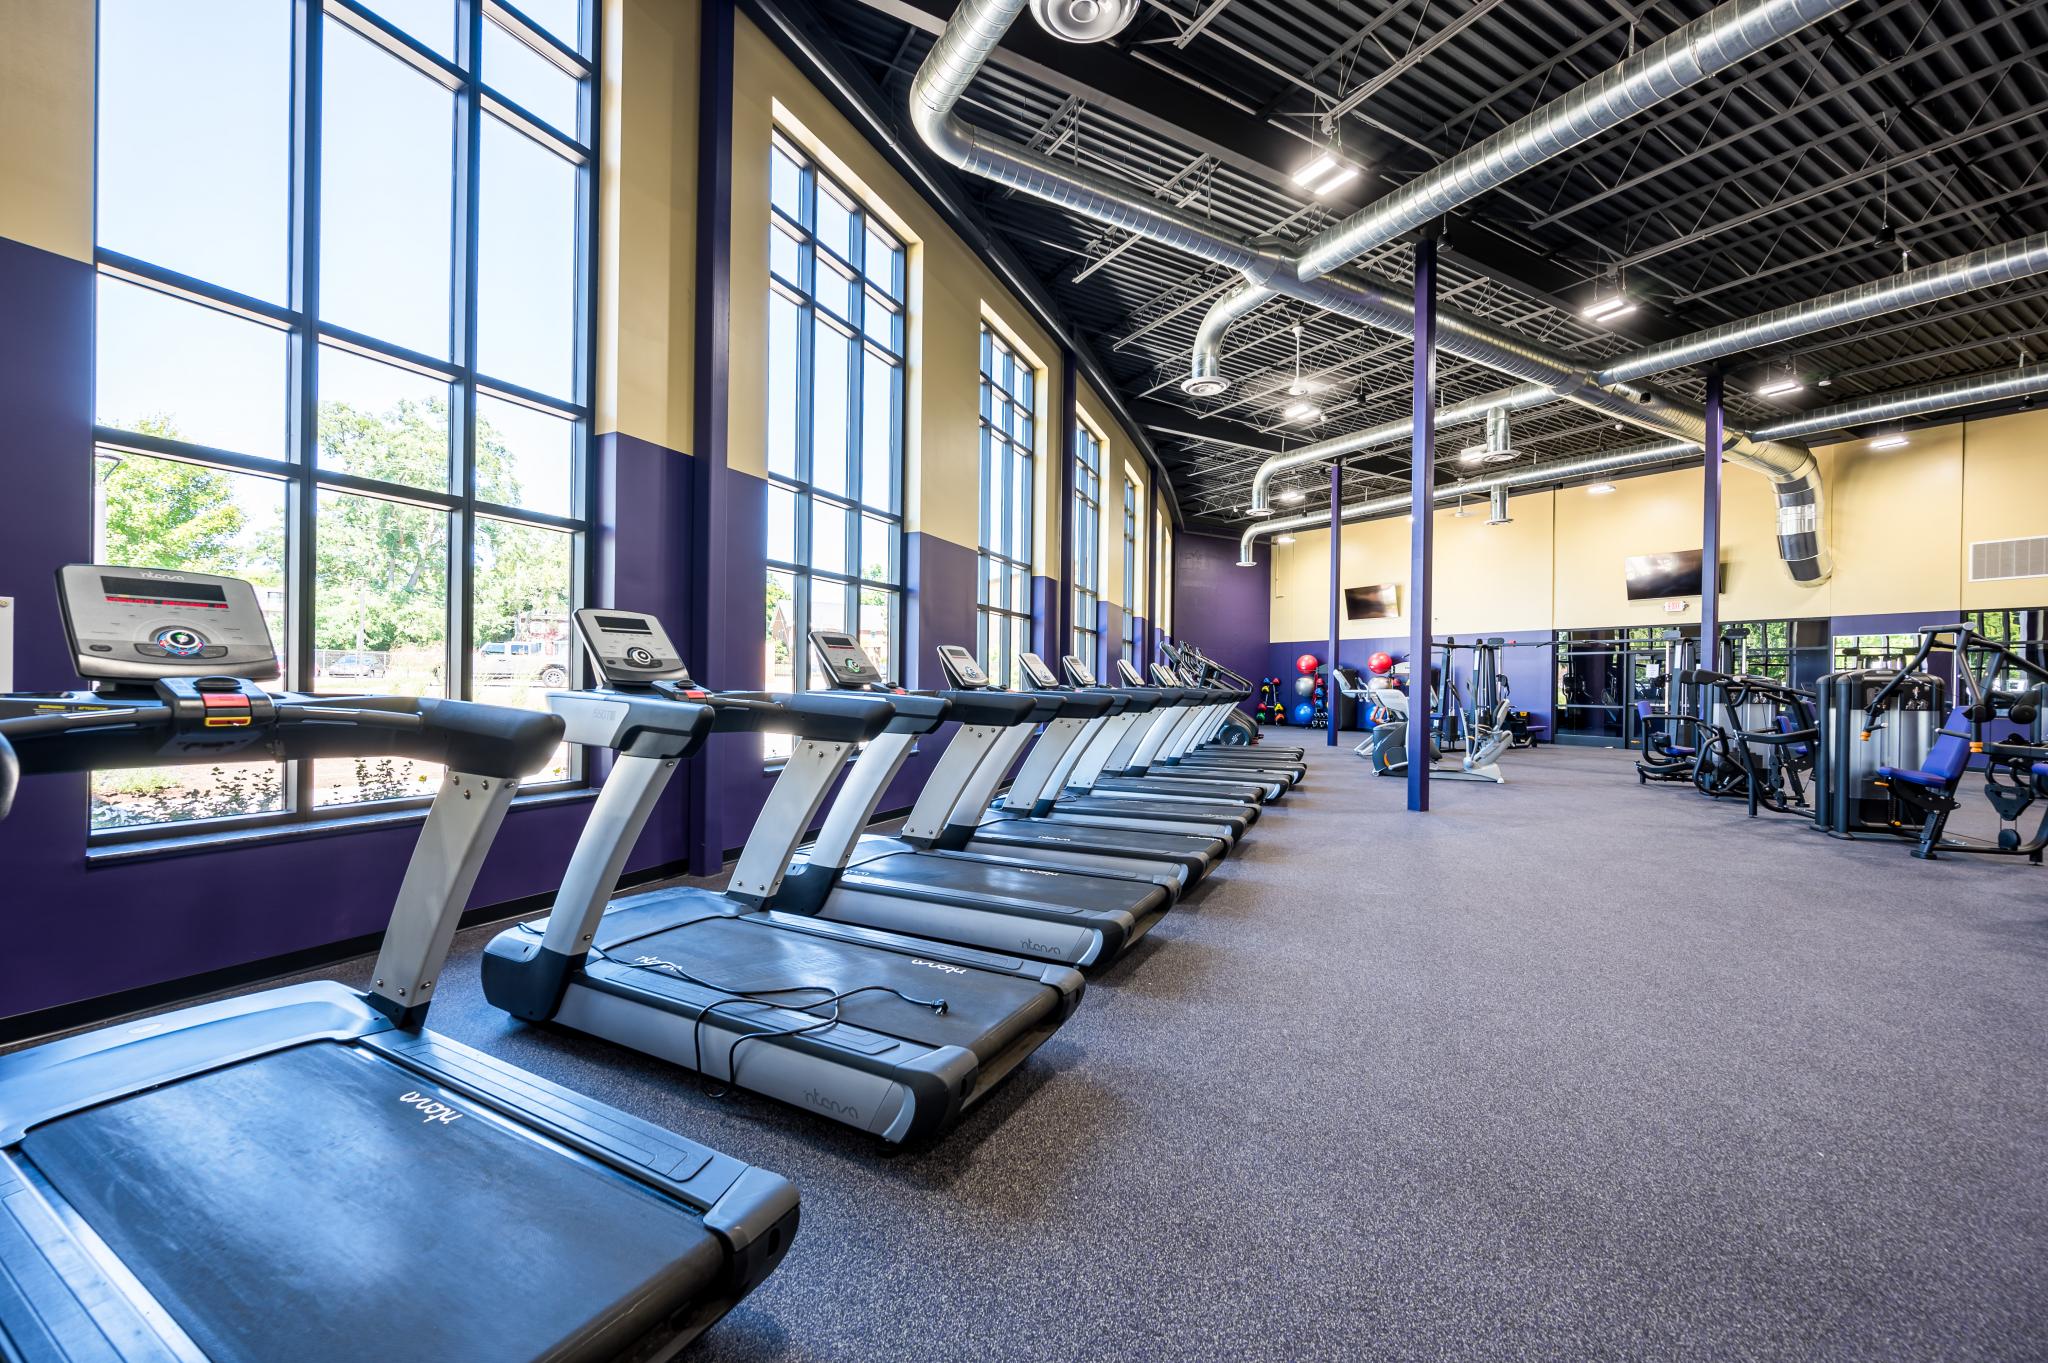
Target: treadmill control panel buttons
(630, 648)
(960, 667)
(1035, 668)
(1082, 674)
(846, 662)
(140, 624)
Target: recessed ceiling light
(1601, 489)
(1895, 441)
(1778, 387)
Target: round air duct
(1084, 21)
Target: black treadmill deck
(325, 1205)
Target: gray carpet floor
(1569, 1069)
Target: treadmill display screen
(624, 624)
(961, 667)
(138, 591)
(1035, 668)
(1082, 674)
(1128, 673)
(844, 658)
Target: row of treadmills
(307, 1173)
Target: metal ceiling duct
(2026, 381)
(1729, 34)
(1928, 284)
(2023, 382)
(976, 28)
(1611, 462)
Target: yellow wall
(46, 124)
(647, 221)
(1899, 522)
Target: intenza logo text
(430, 1110)
(1047, 947)
(935, 965)
(161, 577)
(824, 1104)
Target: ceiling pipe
(1709, 45)
(1929, 284)
(2025, 381)
(971, 36)
(1564, 471)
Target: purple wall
(1220, 608)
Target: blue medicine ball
(1304, 713)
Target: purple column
(1422, 482)
(1336, 590)
(1710, 530)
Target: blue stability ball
(1304, 686)
(1304, 713)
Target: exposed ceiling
(1898, 126)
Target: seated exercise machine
(891, 1034)
(1891, 775)
(306, 1172)
(1011, 902)
(1387, 745)
(1761, 747)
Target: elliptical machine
(1484, 734)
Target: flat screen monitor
(1379, 602)
(1654, 576)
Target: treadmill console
(1082, 674)
(1163, 675)
(141, 624)
(1130, 675)
(961, 669)
(1041, 676)
(630, 648)
(846, 662)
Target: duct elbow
(1802, 524)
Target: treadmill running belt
(321, 1206)
(985, 1012)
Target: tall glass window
(1009, 438)
(343, 351)
(835, 424)
(1130, 594)
(1162, 575)
(1087, 568)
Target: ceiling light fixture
(1601, 489)
(1894, 441)
(1608, 308)
(1283, 539)
(1778, 387)
(1302, 411)
(1325, 171)
(1290, 496)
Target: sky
(194, 175)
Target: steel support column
(1336, 595)
(1422, 478)
(1710, 528)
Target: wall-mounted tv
(1654, 576)
(1381, 601)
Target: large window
(1792, 651)
(1130, 593)
(1009, 427)
(1087, 566)
(343, 351)
(1162, 576)
(835, 424)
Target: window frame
(1130, 591)
(299, 319)
(815, 180)
(1000, 452)
(1085, 567)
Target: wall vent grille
(1996, 560)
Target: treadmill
(1198, 667)
(1194, 745)
(1206, 745)
(907, 885)
(959, 810)
(1125, 758)
(893, 1035)
(306, 1173)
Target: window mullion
(468, 193)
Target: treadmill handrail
(828, 716)
(484, 740)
